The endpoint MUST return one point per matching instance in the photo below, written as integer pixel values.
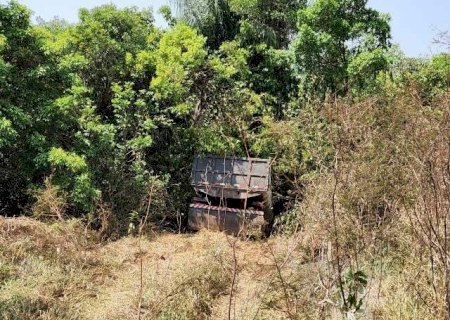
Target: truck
(232, 195)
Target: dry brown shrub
(428, 217)
(66, 242)
(50, 202)
(383, 207)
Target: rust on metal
(232, 194)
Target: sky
(414, 22)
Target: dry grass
(43, 268)
(58, 272)
(188, 277)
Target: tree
(272, 22)
(166, 12)
(29, 81)
(103, 46)
(108, 111)
(213, 18)
(180, 52)
(338, 39)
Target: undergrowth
(366, 239)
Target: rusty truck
(232, 195)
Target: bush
(384, 201)
(50, 202)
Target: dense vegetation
(98, 116)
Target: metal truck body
(232, 195)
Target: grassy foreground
(60, 271)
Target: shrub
(50, 202)
(384, 201)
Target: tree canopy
(341, 43)
(103, 107)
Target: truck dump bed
(235, 178)
(233, 194)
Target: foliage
(339, 39)
(180, 52)
(166, 12)
(433, 79)
(270, 22)
(29, 81)
(213, 18)
(100, 120)
(111, 105)
(355, 283)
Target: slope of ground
(62, 271)
(58, 271)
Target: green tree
(166, 12)
(272, 22)
(266, 31)
(103, 46)
(111, 57)
(29, 81)
(430, 77)
(339, 39)
(213, 18)
(433, 78)
(180, 53)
